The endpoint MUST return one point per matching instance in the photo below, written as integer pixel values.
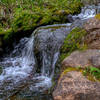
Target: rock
(70, 18)
(92, 24)
(78, 23)
(93, 38)
(74, 86)
(89, 2)
(83, 58)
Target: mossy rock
(74, 41)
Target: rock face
(74, 86)
(83, 58)
(93, 38)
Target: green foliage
(95, 72)
(73, 42)
(24, 15)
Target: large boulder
(74, 86)
(83, 58)
(93, 38)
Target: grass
(92, 73)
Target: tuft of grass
(93, 72)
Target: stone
(74, 86)
(93, 38)
(83, 59)
(70, 18)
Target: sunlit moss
(97, 16)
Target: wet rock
(83, 59)
(70, 18)
(74, 86)
(93, 38)
(48, 41)
(78, 23)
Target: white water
(20, 65)
(87, 12)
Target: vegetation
(23, 16)
(73, 42)
(97, 16)
(92, 73)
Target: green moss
(73, 42)
(97, 16)
(69, 69)
(91, 73)
(21, 17)
(24, 20)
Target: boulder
(70, 18)
(74, 86)
(82, 58)
(93, 38)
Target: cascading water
(19, 67)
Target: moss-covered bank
(22, 17)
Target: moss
(97, 16)
(24, 20)
(23, 17)
(91, 73)
(73, 42)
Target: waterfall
(20, 66)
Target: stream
(29, 69)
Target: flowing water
(40, 51)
